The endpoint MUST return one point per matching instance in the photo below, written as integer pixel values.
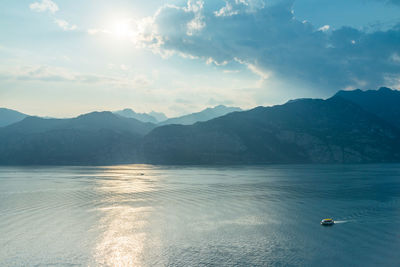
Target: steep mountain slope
(304, 131)
(384, 102)
(204, 115)
(94, 138)
(9, 116)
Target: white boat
(327, 222)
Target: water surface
(139, 215)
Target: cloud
(44, 73)
(324, 28)
(227, 10)
(232, 8)
(272, 43)
(44, 5)
(50, 6)
(65, 25)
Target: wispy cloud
(227, 10)
(44, 5)
(51, 7)
(65, 25)
(44, 73)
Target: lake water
(140, 215)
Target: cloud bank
(271, 42)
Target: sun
(123, 29)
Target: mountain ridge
(346, 128)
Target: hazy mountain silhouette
(159, 116)
(204, 115)
(144, 117)
(94, 138)
(9, 116)
(384, 102)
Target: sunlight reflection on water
(123, 238)
(123, 226)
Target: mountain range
(350, 127)
(9, 116)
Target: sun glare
(123, 29)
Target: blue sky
(65, 57)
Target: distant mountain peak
(204, 115)
(143, 117)
(159, 116)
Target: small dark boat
(327, 222)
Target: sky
(62, 58)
